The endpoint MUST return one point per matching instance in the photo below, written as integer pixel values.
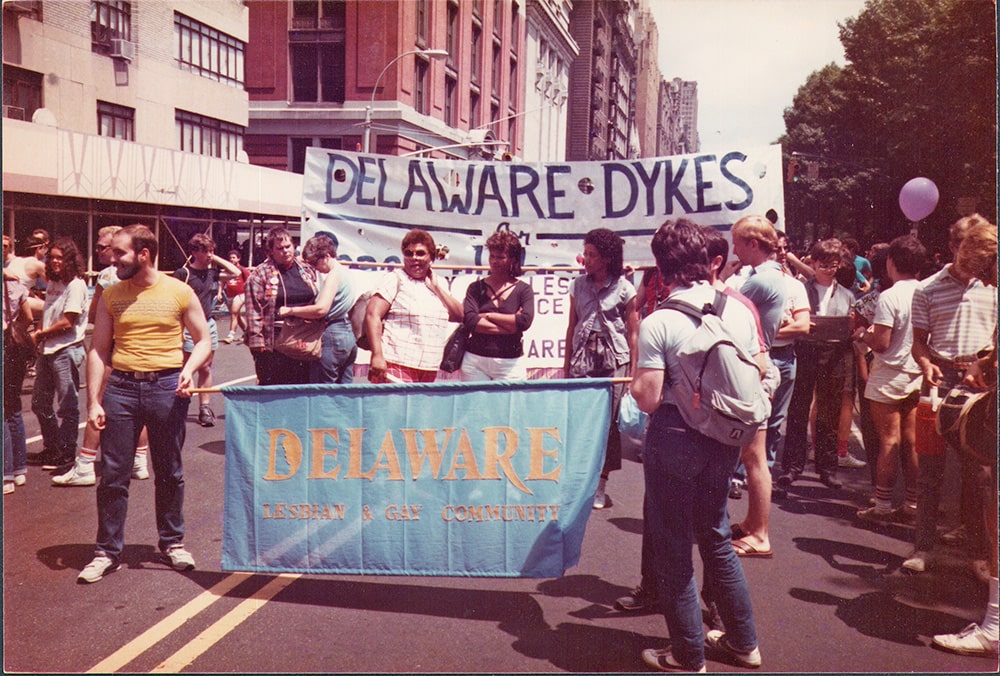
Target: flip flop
(746, 550)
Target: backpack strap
(692, 310)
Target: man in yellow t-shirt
(143, 317)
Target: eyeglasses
(419, 253)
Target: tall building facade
(118, 112)
(418, 75)
(601, 115)
(549, 52)
(647, 82)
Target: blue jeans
(129, 405)
(687, 486)
(15, 365)
(784, 359)
(336, 362)
(58, 379)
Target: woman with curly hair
(602, 331)
(59, 343)
(498, 310)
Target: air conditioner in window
(19, 6)
(122, 49)
(13, 112)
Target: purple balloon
(918, 198)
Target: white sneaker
(140, 467)
(601, 499)
(77, 476)
(96, 570)
(716, 640)
(850, 462)
(918, 562)
(8, 487)
(20, 479)
(663, 660)
(228, 340)
(180, 559)
(970, 641)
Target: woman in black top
(498, 309)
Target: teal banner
(462, 479)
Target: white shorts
(475, 367)
(889, 386)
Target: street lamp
(433, 53)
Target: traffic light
(794, 171)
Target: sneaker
(638, 599)
(96, 570)
(62, 460)
(228, 340)
(906, 515)
(736, 489)
(955, 537)
(601, 499)
(76, 477)
(206, 416)
(180, 559)
(8, 487)
(917, 563)
(140, 466)
(716, 640)
(877, 515)
(970, 641)
(46, 458)
(663, 660)
(830, 481)
(20, 479)
(787, 479)
(850, 462)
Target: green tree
(917, 98)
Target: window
(109, 20)
(495, 70)
(475, 109)
(512, 101)
(328, 14)
(451, 35)
(203, 50)
(317, 68)
(497, 17)
(515, 26)
(422, 23)
(511, 134)
(208, 136)
(476, 70)
(477, 8)
(299, 145)
(22, 92)
(420, 86)
(115, 121)
(450, 102)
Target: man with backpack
(696, 427)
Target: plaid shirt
(261, 295)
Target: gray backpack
(718, 390)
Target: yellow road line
(158, 631)
(206, 639)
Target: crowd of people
(831, 331)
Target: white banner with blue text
(370, 201)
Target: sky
(749, 58)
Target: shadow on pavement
(878, 614)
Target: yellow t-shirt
(148, 324)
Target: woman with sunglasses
(407, 317)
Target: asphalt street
(832, 599)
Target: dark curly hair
(507, 242)
(71, 257)
(907, 254)
(681, 252)
(610, 246)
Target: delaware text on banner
(477, 479)
(370, 201)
